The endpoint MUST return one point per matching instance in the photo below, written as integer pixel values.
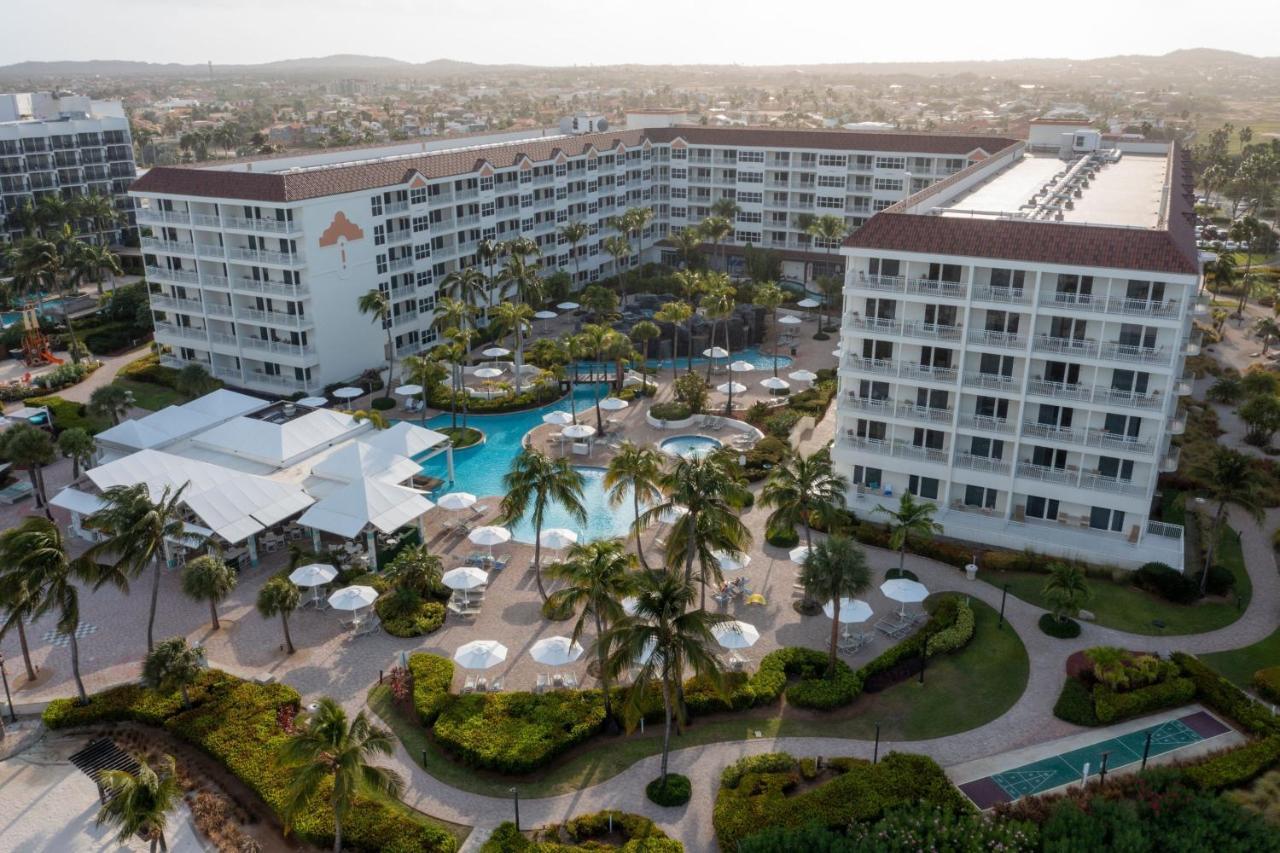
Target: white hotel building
(259, 263)
(1013, 347)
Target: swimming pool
(8, 318)
(603, 520)
(690, 446)
(759, 360)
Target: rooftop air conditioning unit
(1058, 217)
(290, 409)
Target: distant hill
(343, 63)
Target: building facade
(1013, 348)
(256, 266)
(66, 146)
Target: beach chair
(371, 625)
(496, 685)
(482, 685)
(542, 683)
(501, 563)
(570, 681)
(470, 685)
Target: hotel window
(526, 176)
(838, 160)
(679, 192)
(830, 202)
(561, 170)
(869, 477)
(831, 180)
(747, 236)
(923, 487)
(424, 279)
(418, 195)
(808, 159)
(486, 184)
(748, 197)
(880, 204)
(593, 186)
(679, 212)
(750, 156)
(1044, 508)
(381, 264)
(679, 153)
(980, 497)
(422, 251)
(562, 216)
(1102, 518)
(375, 205)
(526, 224)
(379, 235)
(679, 174)
(426, 304)
(421, 223)
(487, 209)
(751, 177)
(561, 193)
(891, 162)
(889, 184)
(750, 216)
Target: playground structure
(35, 343)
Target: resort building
(256, 265)
(64, 145)
(1013, 346)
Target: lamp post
(515, 799)
(4, 674)
(1003, 596)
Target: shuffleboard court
(1068, 767)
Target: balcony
(1143, 308)
(983, 463)
(218, 309)
(1127, 399)
(163, 217)
(273, 380)
(274, 318)
(878, 366)
(1045, 474)
(1169, 462)
(1191, 344)
(212, 251)
(930, 331)
(1051, 432)
(162, 274)
(1116, 441)
(271, 288)
(400, 263)
(1059, 390)
(173, 303)
(170, 247)
(987, 423)
(395, 207)
(880, 283)
(1080, 347)
(205, 220)
(228, 374)
(1178, 423)
(850, 441)
(937, 289)
(1000, 340)
(930, 414)
(279, 347)
(1183, 386)
(927, 372)
(1128, 353)
(188, 333)
(874, 325)
(991, 381)
(261, 226)
(1200, 308)
(1002, 295)
(874, 405)
(905, 450)
(1111, 485)
(1074, 302)
(263, 256)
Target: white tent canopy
(74, 500)
(358, 460)
(279, 444)
(174, 422)
(406, 439)
(355, 506)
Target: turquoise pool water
(8, 318)
(759, 360)
(603, 520)
(690, 446)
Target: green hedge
(1111, 706)
(428, 618)
(1234, 767)
(236, 723)
(68, 414)
(675, 790)
(536, 395)
(761, 793)
(1227, 699)
(149, 369)
(640, 834)
(517, 732)
(1267, 682)
(670, 411)
(1060, 629)
(1075, 704)
(957, 636)
(943, 617)
(432, 677)
(782, 537)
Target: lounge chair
(557, 681)
(542, 683)
(501, 563)
(371, 625)
(496, 685)
(470, 685)
(482, 685)
(570, 681)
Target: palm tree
(717, 305)
(830, 229)
(769, 296)
(801, 488)
(1245, 231)
(911, 520)
(23, 592)
(137, 529)
(725, 208)
(573, 234)
(77, 445)
(376, 304)
(426, 372)
(1066, 590)
(687, 242)
(524, 275)
(468, 286)
(636, 220)
(30, 447)
(141, 801)
(1268, 329)
(833, 569)
(110, 401)
(328, 748)
(534, 481)
(87, 262)
(99, 209)
(489, 252)
(1229, 477)
(636, 469)
(173, 665)
(598, 575)
(193, 381)
(206, 578)
(677, 314)
(279, 597)
(516, 318)
(715, 229)
(1224, 272)
(663, 639)
(645, 333)
(596, 338)
(619, 247)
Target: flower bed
(1108, 685)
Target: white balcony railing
(1004, 340)
(982, 463)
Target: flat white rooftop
(1126, 192)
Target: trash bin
(972, 571)
(793, 351)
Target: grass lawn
(1127, 608)
(463, 436)
(148, 395)
(961, 691)
(1238, 665)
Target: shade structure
(774, 383)
(741, 366)
(568, 306)
(454, 501)
(629, 605)
(489, 535)
(905, 591)
(495, 352)
(368, 502)
(808, 302)
(790, 320)
(357, 460)
(408, 390)
(799, 554)
(732, 388)
(555, 651)
(803, 376)
(480, 654)
(558, 418)
(313, 574)
(613, 404)
(313, 402)
(545, 315)
(353, 597)
(557, 538)
(348, 392)
(735, 635)
(715, 352)
(487, 373)
(672, 514)
(850, 610)
(406, 439)
(465, 577)
(731, 563)
(579, 431)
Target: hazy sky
(650, 31)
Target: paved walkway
(104, 375)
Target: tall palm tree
(489, 252)
(645, 333)
(1229, 477)
(425, 372)
(636, 469)
(279, 597)
(137, 529)
(79, 446)
(663, 639)
(28, 446)
(141, 801)
(207, 578)
(1268, 329)
(101, 212)
(110, 401)
(802, 488)
(725, 207)
(718, 305)
(533, 483)
(87, 262)
(517, 319)
(23, 593)
(830, 229)
(687, 242)
(677, 314)
(573, 234)
(376, 304)
(619, 247)
(468, 286)
(328, 748)
(173, 665)
(523, 274)
(833, 569)
(1066, 589)
(715, 229)
(637, 219)
(911, 520)
(598, 575)
(769, 296)
(596, 338)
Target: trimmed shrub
(1267, 682)
(149, 369)
(670, 411)
(1112, 706)
(432, 677)
(382, 404)
(957, 636)
(1221, 580)
(1166, 582)
(903, 829)
(517, 732)
(782, 537)
(1234, 767)
(943, 617)
(675, 790)
(426, 619)
(1063, 629)
(69, 415)
(1075, 704)
(1227, 699)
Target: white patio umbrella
(629, 605)
(545, 315)
(557, 538)
(808, 302)
(495, 352)
(729, 563)
(465, 578)
(348, 392)
(613, 404)
(741, 366)
(488, 372)
(732, 388)
(672, 514)
(555, 651)
(454, 501)
(408, 390)
(790, 320)
(313, 574)
(773, 383)
(557, 417)
(799, 554)
(735, 635)
(313, 402)
(489, 535)
(568, 306)
(905, 591)
(353, 597)
(803, 376)
(480, 654)
(715, 352)
(579, 431)
(851, 610)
